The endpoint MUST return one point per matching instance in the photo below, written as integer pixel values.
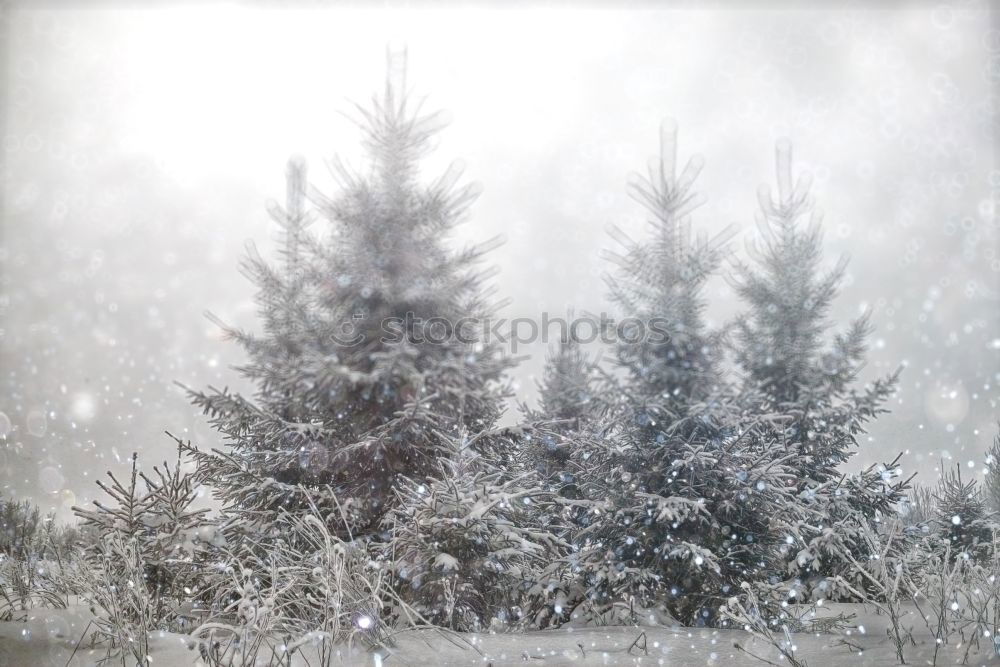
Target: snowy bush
(464, 545)
(979, 600)
(34, 554)
(113, 582)
(885, 572)
(991, 480)
(245, 626)
(339, 596)
(834, 519)
(761, 620)
(941, 594)
(27, 582)
(147, 538)
(919, 508)
(306, 593)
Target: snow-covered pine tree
(792, 366)
(467, 544)
(781, 343)
(678, 489)
(153, 524)
(181, 537)
(964, 520)
(991, 480)
(671, 358)
(357, 379)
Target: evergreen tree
(781, 342)
(150, 524)
(991, 481)
(962, 515)
(670, 354)
(794, 369)
(677, 485)
(357, 384)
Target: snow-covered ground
(49, 637)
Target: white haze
(141, 145)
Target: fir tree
(962, 515)
(671, 354)
(151, 524)
(677, 486)
(794, 368)
(356, 387)
(782, 342)
(991, 481)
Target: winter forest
(740, 427)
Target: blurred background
(140, 146)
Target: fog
(140, 147)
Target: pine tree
(357, 386)
(991, 481)
(962, 515)
(793, 368)
(781, 342)
(677, 485)
(154, 523)
(671, 354)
